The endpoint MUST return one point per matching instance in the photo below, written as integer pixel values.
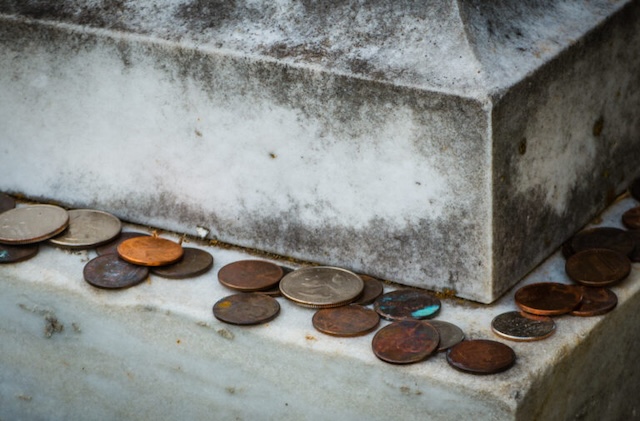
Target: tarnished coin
(634, 189)
(112, 246)
(111, 272)
(548, 298)
(150, 251)
(631, 218)
(88, 228)
(520, 326)
(17, 253)
(32, 224)
(481, 356)
(321, 286)
(405, 342)
(634, 256)
(372, 290)
(351, 320)
(194, 262)
(407, 304)
(603, 238)
(6, 202)
(598, 267)
(246, 309)
(250, 275)
(449, 333)
(595, 301)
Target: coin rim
(59, 239)
(157, 270)
(41, 237)
(309, 304)
(602, 310)
(142, 263)
(541, 312)
(474, 370)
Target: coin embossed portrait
(321, 286)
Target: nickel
(519, 326)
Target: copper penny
(598, 267)
(634, 256)
(246, 309)
(321, 286)
(351, 320)
(194, 262)
(449, 333)
(595, 302)
(32, 224)
(407, 304)
(634, 189)
(150, 251)
(111, 272)
(12, 254)
(520, 326)
(631, 218)
(548, 298)
(372, 290)
(250, 275)
(481, 356)
(88, 228)
(405, 342)
(6, 202)
(603, 238)
(112, 246)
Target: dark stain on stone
(598, 126)
(200, 15)
(522, 146)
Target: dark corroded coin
(246, 309)
(520, 326)
(32, 224)
(598, 267)
(372, 290)
(321, 286)
(634, 189)
(150, 251)
(12, 254)
(595, 301)
(449, 333)
(6, 202)
(194, 262)
(603, 238)
(88, 228)
(631, 218)
(111, 272)
(634, 256)
(548, 298)
(406, 304)
(250, 275)
(405, 342)
(351, 320)
(112, 246)
(481, 356)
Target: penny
(250, 275)
(481, 356)
(520, 326)
(603, 238)
(598, 267)
(631, 218)
(405, 342)
(351, 320)
(6, 202)
(634, 189)
(111, 272)
(18, 253)
(150, 251)
(372, 289)
(246, 309)
(32, 224)
(449, 333)
(406, 304)
(112, 246)
(194, 262)
(321, 286)
(634, 256)
(595, 302)
(88, 228)
(548, 298)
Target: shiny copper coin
(372, 289)
(449, 333)
(351, 320)
(548, 298)
(250, 275)
(595, 302)
(246, 309)
(407, 304)
(88, 228)
(405, 342)
(32, 224)
(520, 326)
(631, 218)
(603, 238)
(634, 256)
(111, 272)
(321, 286)
(150, 251)
(13, 254)
(194, 262)
(481, 356)
(112, 246)
(598, 267)
(6, 202)
(634, 189)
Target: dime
(520, 326)
(321, 286)
(481, 356)
(603, 238)
(88, 228)
(598, 267)
(112, 246)
(250, 275)
(32, 224)
(405, 342)
(407, 304)
(372, 290)
(111, 272)
(631, 218)
(548, 298)
(595, 301)
(449, 333)
(351, 320)
(6, 202)
(246, 309)
(12, 254)
(150, 251)
(634, 189)
(194, 262)
(634, 256)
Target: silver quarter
(321, 287)
(32, 224)
(88, 228)
(519, 326)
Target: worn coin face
(246, 309)
(150, 251)
(598, 267)
(112, 246)
(111, 272)
(603, 238)
(372, 290)
(32, 224)
(321, 286)
(595, 301)
(88, 228)
(449, 333)
(548, 298)
(407, 304)
(481, 356)
(17, 253)
(405, 342)
(250, 275)
(520, 326)
(194, 262)
(6, 202)
(631, 218)
(351, 320)
(634, 189)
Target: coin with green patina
(407, 304)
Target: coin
(449, 333)
(595, 301)
(603, 238)
(548, 298)
(194, 262)
(32, 224)
(520, 326)
(321, 286)
(112, 246)
(372, 290)
(598, 267)
(111, 272)
(405, 304)
(18, 253)
(250, 275)
(634, 189)
(6, 202)
(246, 309)
(351, 320)
(88, 228)
(634, 256)
(405, 342)
(150, 251)
(631, 218)
(481, 356)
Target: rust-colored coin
(548, 298)
(246, 309)
(634, 189)
(449, 333)
(12, 254)
(372, 290)
(250, 275)
(595, 301)
(32, 224)
(405, 342)
(112, 247)
(351, 320)
(481, 356)
(598, 267)
(6, 202)
(407, 304)
(111, 272)
(603, 238)
(631, 218)
(520, 326)
(634, 256)
(150, 251)
(194, 262)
